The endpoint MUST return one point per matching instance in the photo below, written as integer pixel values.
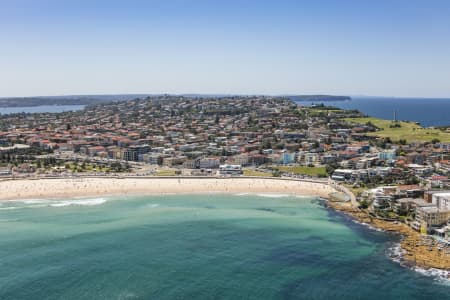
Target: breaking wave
(152, 205)
(396, 254)
(368, 226)
(273, 195)
(35, 203)
(82, 202)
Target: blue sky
(360, 47)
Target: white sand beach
(89, 186)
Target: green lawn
(165, 173)
(250, 172)
(87, 167)
(409, 131)
(303, 170)
(357, 191)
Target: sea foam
(273, 195)
(11, 207)
(396, 253)
(266, 195)
(22, 203)
(368, 226)
(35, 203)
(442, 276)
(82, 202)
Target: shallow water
(197, 247)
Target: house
(420, 170)
(438, 181)
(382, 197)
(403, 206)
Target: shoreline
(418, 252)
(13, 189)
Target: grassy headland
(400, 130)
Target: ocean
(427, 111)
(198, 247)
(40, 109)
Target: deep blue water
(197, 247)
(426, 111)
(40, 109)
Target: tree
(363, 204)
(330, 168)
(266, 144)
(370, 124)
(276, 173)
(250, 120)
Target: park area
(400, 130)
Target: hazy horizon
(393, 48)
(222, 94)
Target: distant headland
(317, 98)
(98, 99)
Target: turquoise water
(197, 247)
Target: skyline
(385, 48)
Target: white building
(230, 170)
(342, 174)
(427, 217)
(209, 163)
(441, 200)
(5, 172)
